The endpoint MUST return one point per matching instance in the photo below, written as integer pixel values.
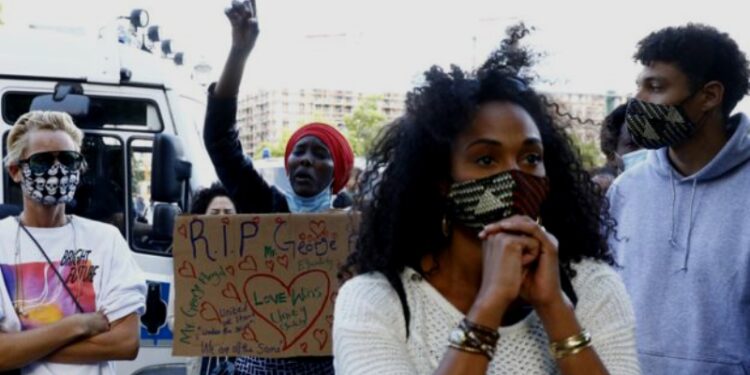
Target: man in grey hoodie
(683, 237)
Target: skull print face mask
(51, 178)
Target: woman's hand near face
(541, 284)
(504, 260)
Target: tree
(591, 157)
(277, 148)
(363, 125)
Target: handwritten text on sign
(258, 285)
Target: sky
(384, 45)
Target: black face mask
(51, 178)
(654, 126)
(480, 202)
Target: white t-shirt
(101, 273)
(369, 331)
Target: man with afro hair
(683, 238)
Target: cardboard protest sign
(258, 285)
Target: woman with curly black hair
(213, 200)
(456, 273)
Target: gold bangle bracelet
(571, 345)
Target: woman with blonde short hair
(70, 291)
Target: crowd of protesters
(485, 246)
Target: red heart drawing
(283, 260)
(303, 346)
(280, 220)
(248, 334)
(255, 220)
(321, 337)
(231, 270)
(225, 220)
(329, 318)
(270, 264)
(318, 227)
(209, 313)
(267, 284)
(248, 264)
(182, 230)
(230, 291)
(187, 270)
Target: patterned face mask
(477, 203)
(654, 126)
(56, 185)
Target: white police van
(143, 119)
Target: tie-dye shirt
(97, 266)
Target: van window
(106, 112)
(101, 191)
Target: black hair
(401, 199)
(610, 132)
(202, 198)
(703, 54)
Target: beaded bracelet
(474, 338)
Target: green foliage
(591, 156)
(363, 125)
(277, 148)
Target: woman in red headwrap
(318, 161)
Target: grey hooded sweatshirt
(684, 247)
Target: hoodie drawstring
(690, 225)
(673, 236)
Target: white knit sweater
(369, 335)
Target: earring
(446, 227)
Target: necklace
(20, 302)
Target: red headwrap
(338, 146)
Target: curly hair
(401, 199)
(611, 129)
(703, 54)
(202, 198)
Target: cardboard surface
(258, 285)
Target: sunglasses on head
(43, 161)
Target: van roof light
(153, 33)
(166, 46)
(139, 18)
